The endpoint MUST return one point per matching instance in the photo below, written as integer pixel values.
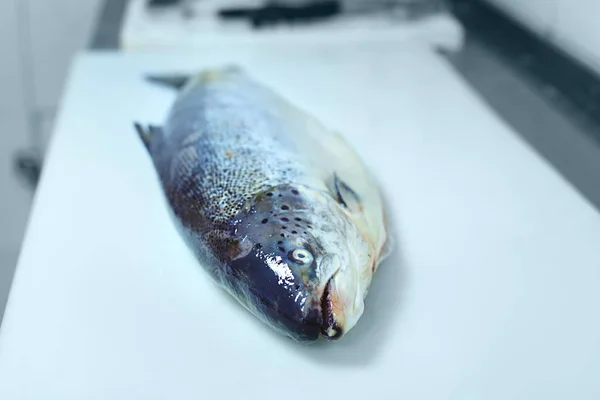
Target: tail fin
(180, 81)
(176, 82)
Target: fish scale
(255, 188)
(231, 162)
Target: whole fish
(277, 208)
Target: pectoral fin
(356, 189)
(345, 195)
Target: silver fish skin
(279, 210)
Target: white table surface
(493, 292)
(148, 30)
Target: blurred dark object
(278, 12)
(28, 166)
(273, 13)
(161, 3)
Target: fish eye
(301, 256)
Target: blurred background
(535, 62)
(37, 41)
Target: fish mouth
(330, 328)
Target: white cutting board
(493, 292)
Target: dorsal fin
(148, 133)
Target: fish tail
(218, 74)
(171, 81)
(179, 82)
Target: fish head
(303, 266)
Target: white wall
(37, 40)
(574, 25)
(58, 29)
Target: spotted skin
(248, 184)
